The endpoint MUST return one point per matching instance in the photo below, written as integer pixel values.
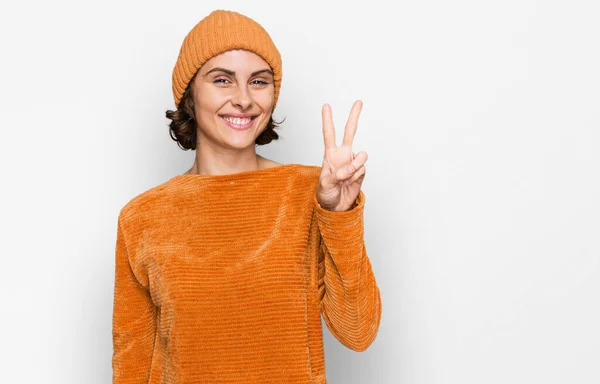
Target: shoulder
(145, 203)
(266, 163)
(305, 177)
(309, 171)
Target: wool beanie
(218, 32)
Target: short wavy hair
(183, 126)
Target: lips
(238, 122)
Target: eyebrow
(232, 73)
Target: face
(233, 95)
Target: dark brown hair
(182, 127)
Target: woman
(222, 272)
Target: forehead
(238, 60)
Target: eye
(261, 82)
(218, 82)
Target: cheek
(209, 100)
(265, 100)
(210, 106)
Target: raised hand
(343, 171)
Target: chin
(240, 140)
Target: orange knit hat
(218, 32)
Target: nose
(242, 98)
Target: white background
(481, 121)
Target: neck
(222, 163)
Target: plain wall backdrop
(481, 122)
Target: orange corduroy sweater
(223, 279)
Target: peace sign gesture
(343, 171)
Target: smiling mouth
(237, 122)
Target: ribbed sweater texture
(223, 279)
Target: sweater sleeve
(350, 301)
(134, 322)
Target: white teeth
(237, 120)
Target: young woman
(223, 272)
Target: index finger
(352, 124)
